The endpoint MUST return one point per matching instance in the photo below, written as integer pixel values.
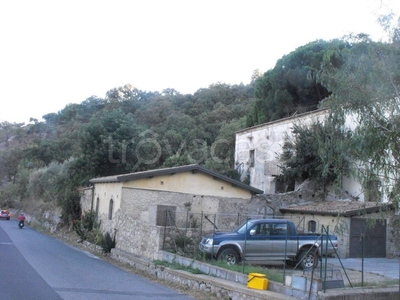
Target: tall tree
(7, 130)
(222, 150)
(108, 144)
(366, 88)
(317, 152)
(9, 161)
(291, 86)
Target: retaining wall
(233, 285)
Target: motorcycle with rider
(21, 219)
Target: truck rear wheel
(308, 259)
(229, 256)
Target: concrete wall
(190, 183)
(226, 284)
(105, 192)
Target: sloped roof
(158, 172)
(335, 208)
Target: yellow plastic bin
(257, 281)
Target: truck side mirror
(252, 232)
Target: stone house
(256, 159)
(140, 207)
(257, 149)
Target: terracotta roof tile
(345, 208)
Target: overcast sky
(55, 52)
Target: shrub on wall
(108, 242)
(87, 227)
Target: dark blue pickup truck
(261, 240)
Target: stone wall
(132, 235)
(86, 199)
(138, 230)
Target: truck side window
(260, 229)
(264, 229)
(279, 229)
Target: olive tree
(365, 88)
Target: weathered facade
(138, 207)
(256, 158)
(257, 149)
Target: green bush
(108, 242)
(183, 242)
(87, 227)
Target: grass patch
(176, 266)
(384, 283)
(271, 274)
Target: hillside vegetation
(128, 130)
(132, 130)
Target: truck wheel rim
(230, 259)
(308, 260)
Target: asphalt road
(36, 266)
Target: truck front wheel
(229, 256)
(308, 259)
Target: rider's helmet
(22, 214)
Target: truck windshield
(242, 228)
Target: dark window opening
(279, 185)
(110, 209)
(166, 215)
(291, 185)
(251, 158)
(97, 206)
(312, 226)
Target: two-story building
(258, 147)
(257, 160)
